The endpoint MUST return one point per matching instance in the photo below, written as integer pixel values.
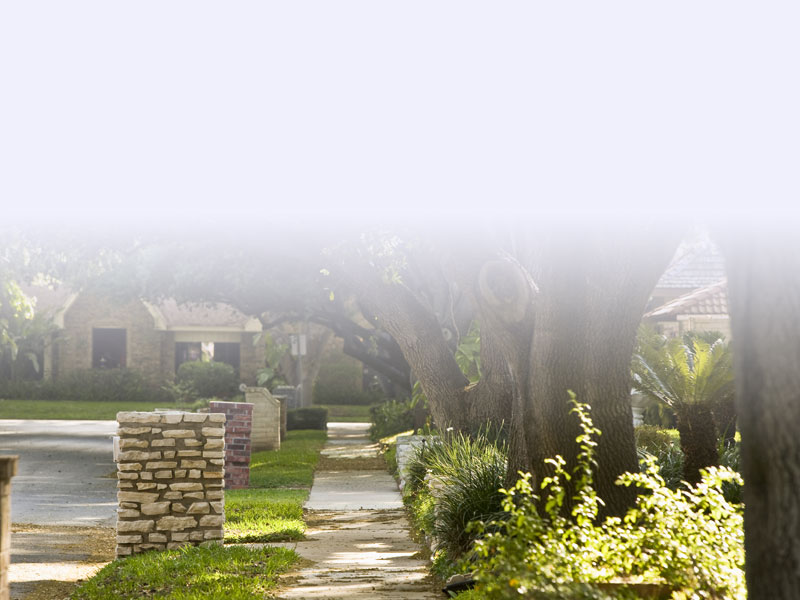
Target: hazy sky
(272, 110)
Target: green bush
(390, 417)
(209, 379)
(652, 437)
(455, 479)
(307, 418)
(664, 446)
(339, 382)
(92, 385)
(691, 539)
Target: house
(155, 338)
(692, 294)
(703, 309)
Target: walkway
(358, 542)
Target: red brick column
(238, 424)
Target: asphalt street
(66, 472)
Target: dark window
(187, 352)
(227, 353)
(108, 348)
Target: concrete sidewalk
(358, 537)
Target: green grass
(290, 467)
(346, 413)
(72, 409)
(233, 573)
(268, 512)
(264, 515)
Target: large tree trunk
(593, 291)
(764, 292)
(698, 440)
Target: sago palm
(693, 375)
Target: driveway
(66, 473)
(63, 504)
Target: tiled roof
(193, 314)
(709, 300)
(50, 301)
(693, 267)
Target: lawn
(346, 413)
(272, 509)
(234, 573)
(73, 409)
(264, 515)
(292, 466)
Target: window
(225, 352)
(108, 348)
(187, 352)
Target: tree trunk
(725, 420)
(698, 440)
(593, 291)
(764, 293)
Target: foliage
(339, 382)
(468, 353)
(264, 515)
(307, 418)
(16, 309)
(652, 438)
(92, 385)
(270, 375)
(663, 446)
(209, 379)
(390, 417)
(345, 413)
(189, 573)
(680, 371)
(291, 466)
(690, 539)
(454, 479)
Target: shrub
(209, 379)
(307, 418)
(92, 385)
(390, 417)
(652, 438)
(453, 480)
(339, 382)
(691, 539)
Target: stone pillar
(266, 434)
(170, 470)
(239, 421)
(8, 468)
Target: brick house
(97, 331)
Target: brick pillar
(239, 419)
(170, 470)
(8, 468)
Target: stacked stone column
(239, 420)
(170, 470)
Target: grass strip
(264, 515)
(74, 409)
(290, 467)
(189, 573)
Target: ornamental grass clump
(455, 479)
(690, 540)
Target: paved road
(66, 472)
